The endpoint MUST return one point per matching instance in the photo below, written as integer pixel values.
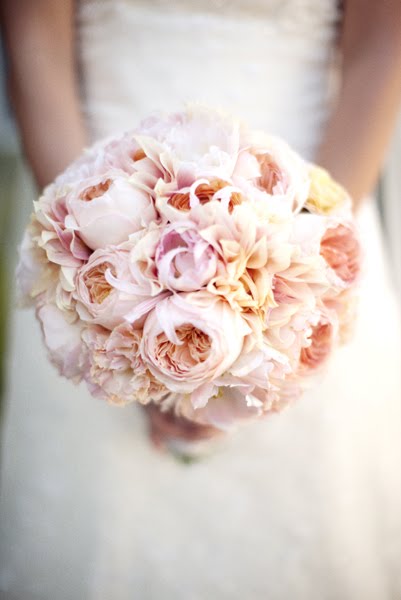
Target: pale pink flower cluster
(188, 263)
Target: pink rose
(185, 260)
(106, 209)
(190, 339)
(105, 289)
(341, 250)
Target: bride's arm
(360, 127)
(39, 37)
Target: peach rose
(190, 339)
(105, 289)
(320, 346)
(341, 250)
(274, 168)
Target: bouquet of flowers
(195, 264)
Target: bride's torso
(275, 488)
(267, 61)
(300, 506)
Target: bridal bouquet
(195, 264)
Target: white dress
(303, 506)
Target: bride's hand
(164, 426)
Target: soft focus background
(17, 193)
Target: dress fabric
(304, 505)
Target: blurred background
(17, 192)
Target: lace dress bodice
(267, 61)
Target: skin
(42, 83)
(43, 86)
(358, 133)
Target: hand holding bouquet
(193, 264)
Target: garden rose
(106, 209)
(321, 340)
(105, 289)
(341, 250)
(190, 339)
(277, 170)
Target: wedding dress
(304, 505)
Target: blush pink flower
(190, 339)
(276, 169)
(105, 289)
(117, 371)
(193, 263)
(62, 245)
(185, 261)
(62, 336)
(105, 209)
(176, 203)
(320, 345)
(251, 249)
(226, 408)
(198, 142)
(341, 250)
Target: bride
(304, 505)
